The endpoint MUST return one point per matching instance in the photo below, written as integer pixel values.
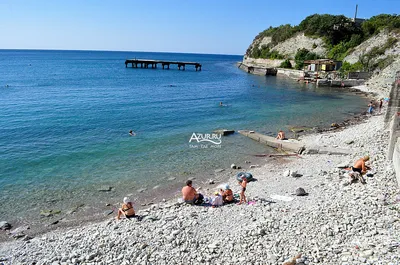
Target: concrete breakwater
(272, 67)
(257, 70)
(293, 145)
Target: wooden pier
(144, 63)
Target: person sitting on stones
(359, 165)
(126, 209)
(190, 195)
(227, 194)
(281, 135)
(217, 200)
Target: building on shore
(322, 65)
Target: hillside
(372, 45)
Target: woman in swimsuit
(126, 209)
(227, 195)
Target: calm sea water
(65, 118)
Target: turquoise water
(65, 118)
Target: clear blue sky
(202, 26)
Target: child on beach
(217, 200)
(243, 184)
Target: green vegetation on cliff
(303, 55)
(339, 33)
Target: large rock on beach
(4, 225)
(105, 188)
(224, 132)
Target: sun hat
(227, 187)
(126, 200)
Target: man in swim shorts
(190, 195)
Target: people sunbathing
(281, 135)
(190, 195)
(217, 200)
(126, 209)
(227, 194)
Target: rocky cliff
(289, 47)
(372, 46)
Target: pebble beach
(336, 223)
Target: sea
(65, 118)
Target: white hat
(126, 200)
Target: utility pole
(355, 15)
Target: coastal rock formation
(4, 225)
(378, 40)
(384, 79)
(290, 46)
(371, 47)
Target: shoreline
(102, 213)
(320, 178)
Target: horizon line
(89, 50)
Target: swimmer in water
(132, 133)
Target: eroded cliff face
(290, 46)
(386, 62)
(376, 41)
